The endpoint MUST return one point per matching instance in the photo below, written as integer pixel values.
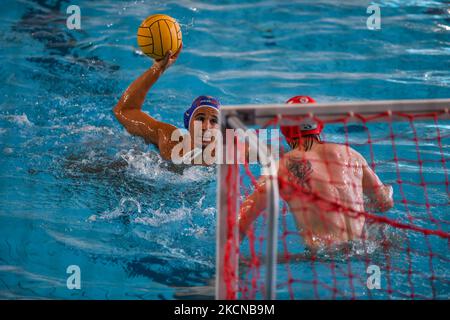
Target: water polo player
(324, 185)
(198, 119)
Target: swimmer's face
(206, 119)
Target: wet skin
(325, 189)
(128, 112)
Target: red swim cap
(301, 100)
(307, 127)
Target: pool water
(76, 189)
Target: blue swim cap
(201, 101)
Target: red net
(356, 248)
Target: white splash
(150, 165)
(156, 218)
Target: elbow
(389, 197)
(243, 229)
(385, 198)
(116, 110)
(243, 223)
(391, 202)
(389, 205)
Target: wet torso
(323, 188)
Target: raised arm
(379, 194)
(129, 108)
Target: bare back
(324, 190)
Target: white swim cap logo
(304, 100)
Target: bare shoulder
(289, 157)
(357, 156)
(341, 151)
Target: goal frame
(242, 116)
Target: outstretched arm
(379, 194)
(129, 108)
(252, 207)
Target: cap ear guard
(308, 126)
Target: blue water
(76, 189)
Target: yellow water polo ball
(158, 34)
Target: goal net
(331, 238)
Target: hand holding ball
(159, 34)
